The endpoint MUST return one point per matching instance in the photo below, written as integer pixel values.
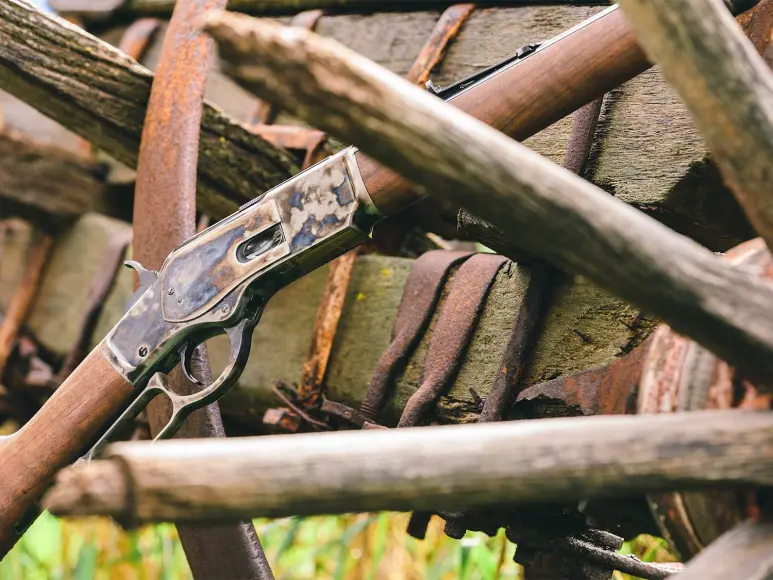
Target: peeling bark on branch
(428, 468)
(558, 216)
(726, 85)
(100, 93)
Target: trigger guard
(240, 337)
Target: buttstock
(65, 426)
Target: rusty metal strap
(452, 333)
(420, 296)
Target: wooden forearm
(558, 216)
(64, 427)
(101, 94)
(725, 84)
(432, 468)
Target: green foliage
(364, 546)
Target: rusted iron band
(266, 113)
(586, 387)
(433, 51)
(420, 296)
(608, 390)
(452, 333)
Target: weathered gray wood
(103, 8)
(101, 94)
(557, 216)
(726, 86)
(47, 185)
(431, 468)
(743, 553)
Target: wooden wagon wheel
(745, 343)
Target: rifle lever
(240, 337)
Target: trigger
(187, 363)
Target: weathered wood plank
(48, 185)
(726, 86)
(430, 468)
(100, 93)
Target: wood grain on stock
(99, 93)
(726, 85)
(558, 216)
(62, 430)
(444, 468)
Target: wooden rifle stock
(535, 93)
(68, 422)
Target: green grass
(365, 546)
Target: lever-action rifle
(220, 280)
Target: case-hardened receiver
(219, 281)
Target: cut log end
(97, 487)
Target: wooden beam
(726, 85)
(22, 300)
(558, 216)
(743, 553)
(47, 185)
(428, 468)
(90, 9)
(101, 94)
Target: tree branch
(430, 468)
(557, 216)
(726, 85)
(101, 94)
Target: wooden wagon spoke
(726, 85)
(427, 468)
